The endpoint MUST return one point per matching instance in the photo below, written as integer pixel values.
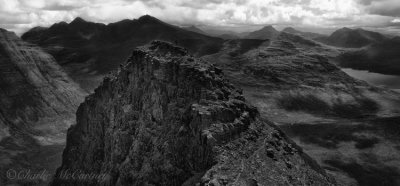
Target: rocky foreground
(167, 118)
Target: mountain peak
(353, 38)
(268, 27)
(194, 29)
(78, 20)
(148, 18)
(345, 29)
(289, 29)
(267, 32)
(202, 116)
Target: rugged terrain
(293, 80)
(167, 118)
(348, 126)
(37, 105)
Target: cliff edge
(166, 118)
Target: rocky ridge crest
(166, 118)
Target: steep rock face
(33, 86)
(167, 118)
(38, 102)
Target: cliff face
(167, 118)
(34, 89)
(38, 102)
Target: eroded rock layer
(166, 118)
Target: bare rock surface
(166, 118)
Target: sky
(240, 15)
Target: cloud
(382, 7)
(20, 15)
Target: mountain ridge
(352, 38)
(95, 49)
(180, 123)
(267, 32)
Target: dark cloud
(392, 11)
(58, 7)
(382, 7)
(367, 2)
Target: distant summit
(78, 20)
(266, 32)
(382, 57)
(353, 38)
(149, 19)
(309, 35)
(98, 48)
(195, 29)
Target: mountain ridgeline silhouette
(352, 38)
(382, 57)
(266, 32)
(106, 46)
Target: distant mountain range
(266, 32)
(88, 49)
(382, 57)
(352, 38)
(289, 75)
(85, 48)
(95, 37)
(195, 29)
(309, 35)
(214, 33)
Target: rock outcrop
(166, 118)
